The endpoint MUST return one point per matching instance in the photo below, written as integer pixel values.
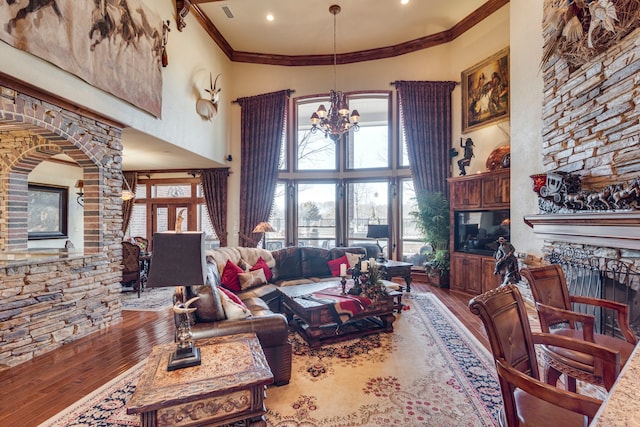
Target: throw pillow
(334, 265)
(251, 279)
(262, 264)
(233, 309)
(354, 259)
(229, 277)
(244, 264)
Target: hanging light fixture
(335, 122)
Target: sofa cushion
(288, 264)
(262, 264)
(337, 252)
(334, 265)
(208, 307)
(230, 278)
(251, 279)
(314, 262)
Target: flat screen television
(478, 231)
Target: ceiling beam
(446, 36)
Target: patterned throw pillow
(251, 279)
(234, 308)
(354, 259)
(262, 264)
(229, 278)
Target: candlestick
(343, 282)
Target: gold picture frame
(485, 92)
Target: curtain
(426, 117)
(263, 120)
(127, 205)
(214, 188)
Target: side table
(392, 268)
(229, 386)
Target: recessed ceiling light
(269, 17)
(404, 1)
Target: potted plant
(432, 219)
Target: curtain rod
(289, 92)
(396, 82)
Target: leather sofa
(290, 266)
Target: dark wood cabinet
(490, 191)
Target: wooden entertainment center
(485, 194)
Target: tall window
(332, 191)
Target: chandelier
(335, 122)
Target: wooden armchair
(553, 302)
(527, 400)
(131, 265)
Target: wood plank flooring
(34, 391)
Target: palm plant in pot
(432, 220)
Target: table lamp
(264, 228)
(179, 260)
(378, 231)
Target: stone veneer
(591, 121)
(46, 301)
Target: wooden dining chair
(528, 401)
(131, 265)
(554, 304)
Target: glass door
(164, 216)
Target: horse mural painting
(95, 41)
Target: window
(329, 195)
(412, 239)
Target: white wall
(192, 56)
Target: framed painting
(485, 92)
(47, 218)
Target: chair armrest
(621, 309)
(573, 402)
(606, 363)
(551, 315)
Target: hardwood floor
(34, 391)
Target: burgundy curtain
(426, 117)
(263, 121)
(127, 205)
(214, 188)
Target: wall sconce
(80, 193)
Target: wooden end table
(392, 268)
(229, 386)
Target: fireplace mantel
(607, 229)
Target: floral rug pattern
(428, 372)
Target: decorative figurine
(468, 154)
(506, 262)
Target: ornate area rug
(151, 299)
(429, 372)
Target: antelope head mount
(207, 108)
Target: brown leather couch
(290, 266)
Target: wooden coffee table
(315, 318)
(229, 385)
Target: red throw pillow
(334, 265)
(262, 264)
(233, 297)
(229, 277)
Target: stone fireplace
(591, 128)
(48, 298)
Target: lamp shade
(378, 231)
(178, 259)
(263, 227)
